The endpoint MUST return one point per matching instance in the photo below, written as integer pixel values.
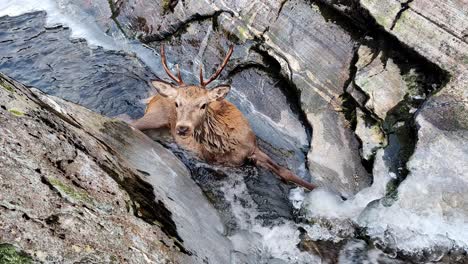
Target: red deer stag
(203, 122)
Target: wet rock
(347, 251)
(370, 133)
(435, 30)
(334, 167)
(157, 20)
(357, 251)
(431, 211)
(380, 80)
(320, 70)
(77, 186)
(434, 193)
(357, 94)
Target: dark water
(114, 82)
(109, 82)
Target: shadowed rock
(77, 186)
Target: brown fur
(219, 133)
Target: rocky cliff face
(79, 187)
(366, 98)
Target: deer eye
(203, 106)
(176, 104)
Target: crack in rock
(174, 29)
(404, 6)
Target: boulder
(77, 186)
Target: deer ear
(165, 89)
(219, 92)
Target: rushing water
(71, 49)
(60, 48)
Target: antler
(220, 69)
(164, 63)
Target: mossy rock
(70, 192)
(7, 86)
(16, 112)
(9, 254)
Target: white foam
(423, 219)
(258, 242)
(296, 196)
(323, 203)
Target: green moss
(16, 112)
(166, 4)
(243, 33)
(10, 255)
(413, 82)
(6, 86)
(114, 259)
(69, 191)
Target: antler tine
(178, 74)
(202, 83)
(220, 69)
(169, 73)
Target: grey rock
(77, 186)
(383, 83)
(357, 251)
(435, 189)
(371, 135)
(319, 70)
(333, 155)
(432, 200)
(435, 30)
(357, 94)
(422, 219)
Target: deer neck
(212, 133)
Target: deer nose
(182, 130)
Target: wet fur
(223, 135)
(219, 137)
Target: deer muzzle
(183, 130)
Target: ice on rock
(323, 203)
(432, 202)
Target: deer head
(191, 101)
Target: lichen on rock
(9, 254)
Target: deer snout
(182, 130)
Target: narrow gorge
(367, 99)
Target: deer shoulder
(202, 121)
